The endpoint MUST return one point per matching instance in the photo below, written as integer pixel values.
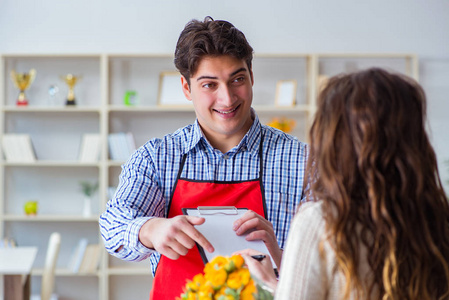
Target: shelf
(50, 163)
(50, 56)
(113, 163)
(277, 109)
(129, 271)
(142, 108)
(63, 272)
(33, 109)
(57, 133)
(367, 55)
(50, 218)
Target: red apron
(171, 275)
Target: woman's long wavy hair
(374, 168)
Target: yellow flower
(220, 292)
(191, 296)
(199, 279)
(216, 263)
(237, 260)
(196, 283)
(216, 278)
(192, 286)
(245, 276)
(249, 291)
(206, 291)
(226, 297)
(238, 279)
(225, 278)
(284, 124)
(234, 281)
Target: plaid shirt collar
(249, 142)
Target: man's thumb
(195, 220)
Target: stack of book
(18, 148)
(121, 145)
(85, 257)
(7, 243)
(90, 148)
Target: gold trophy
(23, 81)
(71, 80)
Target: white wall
(149, 26)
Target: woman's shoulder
(311, 209)
(309, 221)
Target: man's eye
(239, 79)
(209, 85)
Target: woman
(377, 226)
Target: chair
(48, 276)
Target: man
(225, 158)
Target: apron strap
(181, 166)
(261, 156)
(262, 188)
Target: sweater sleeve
(304, 272)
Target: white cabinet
(56, 133)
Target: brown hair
(374, 168)
(212, 38)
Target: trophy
(23, 81)
(71, 80)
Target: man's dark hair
(210, 37)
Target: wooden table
(15, 267)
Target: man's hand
(174, 236)
(260, 229)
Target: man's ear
(186, 88)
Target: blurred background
(282, 26)
(138, 27)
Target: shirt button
(225, 157)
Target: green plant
(88, 188)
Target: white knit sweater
(304, 274)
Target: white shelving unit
(56, 132)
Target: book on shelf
(18, 148)
(90, 148)
(91, 259)
(77, 256)
(121, 145)
(7, 243)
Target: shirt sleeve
(138, 198)
(303, 270)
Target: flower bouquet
(224, 278)
(282, 123)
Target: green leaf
(230, 267)
(263, 294)
(232, 292)
(88, 188)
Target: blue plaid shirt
(148, 177)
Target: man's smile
(227, 111)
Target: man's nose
(225, 95)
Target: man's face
(221, 91)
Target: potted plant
(88, 189)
